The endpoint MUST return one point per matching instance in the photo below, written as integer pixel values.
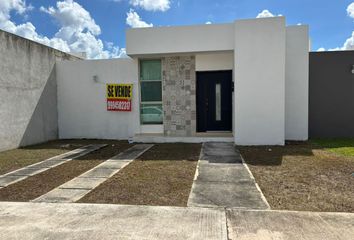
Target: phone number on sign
(119, 105)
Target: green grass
(341, 146)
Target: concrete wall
(214, 61)
(331, 94)
(28, 100)
(82, 101)
(183, 39)
(260, 81)
(297, 83)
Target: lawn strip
(161, 176)
(302, 177)
(42, 183)
(340, 146)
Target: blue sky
(99, 25)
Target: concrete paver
(225, 173)
(83, 183)
(23, 173)
(78, 187)
(242, 194)
(221, 153)
(62, 195)
(114, 164)
(7, 180)
(49, 163)
(222, 180)
(29, 171)
(99, 172)
(97, 221)
(285, 225)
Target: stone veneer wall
(179, 95)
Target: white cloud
(265, 14)
(135, 21)
(8, 5)
(78, 31)
(349, 43)
(70, 14)
(350, 10)
(77, 28)
(208, 22)
(116, 52)
(27, 30)
(152, 5)
(321, 49)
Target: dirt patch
(44, 182)
(300, 176)
(162, 176)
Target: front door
(214, 101)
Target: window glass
(218, 102)
(150, 70)
(151, 113)
(151, 91)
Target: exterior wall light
(352, 69)
(95, 78)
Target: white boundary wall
(82, 102)
(260, 81)
(28, 91)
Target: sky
(98, 27)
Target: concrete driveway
(222, 180)
(97, 221)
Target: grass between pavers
(37, 185)
(344, 146)
(162, 176)
(302, 177)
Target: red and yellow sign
(119, 97)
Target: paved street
(97, 221)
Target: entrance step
(222, 180)
(200, 138)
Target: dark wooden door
(214, 101)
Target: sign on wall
(119, 97)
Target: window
(150, 92)
(218, 102)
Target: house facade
(245, 82)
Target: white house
(245, 82)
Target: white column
(297, 83)
(260, 81)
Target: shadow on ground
(274, 155)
